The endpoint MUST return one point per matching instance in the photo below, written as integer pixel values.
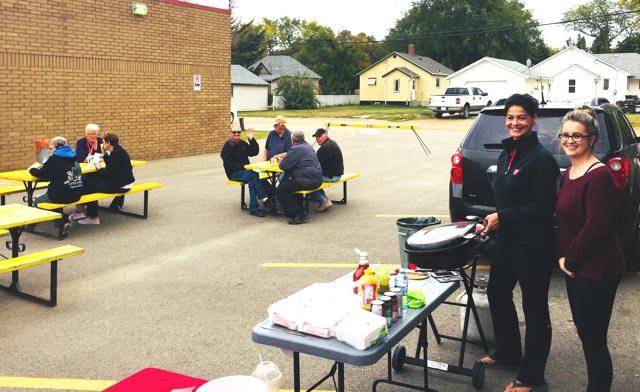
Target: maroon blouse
(587, 209)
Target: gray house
(272, 68)
(248, 92)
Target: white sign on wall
(197, 83)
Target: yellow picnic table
(30, 181)
(265, 166)
(14, 217)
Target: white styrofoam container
(362, 329)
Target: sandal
(491, 361)
(519, 386)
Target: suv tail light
(458, 101)
(620, 169)
(456, 168)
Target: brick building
(66, 63)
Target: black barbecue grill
(452, 247)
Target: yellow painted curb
(68, 384)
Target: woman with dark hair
(116, 177)
(525, 192)
(588, 246)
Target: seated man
(301, 171)
(330, 157)
(278, 140)
(235, 154)
(63, 173)
(116, 177)
(90, 144)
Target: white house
(248, 91)
(579, 76)
(501, 78)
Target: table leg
(15, 251)
(30, 187)
(296, 371)
(340, 377)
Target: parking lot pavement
(183, 289)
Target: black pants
(96, 184)
(591, 303)
(518, 263)
(291, 202)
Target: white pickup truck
(459, 100)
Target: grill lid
(441, 236)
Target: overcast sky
(376, 17)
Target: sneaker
(322, 206)
(78, 215)
(298, 219)
(258, 213)
(89, 221)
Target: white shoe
(78, 215)
(324, 205)
(89, 221)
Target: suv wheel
(465, 111)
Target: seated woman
(63, 173)
(116, 177)
(90, 144)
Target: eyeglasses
(576, 137)
(236, 132)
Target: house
(403, 78)
(500, 78)
(248, 91)
(578, 76)
(272, 68)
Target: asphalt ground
(183, 289)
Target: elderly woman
(90, 144)
(525, 192)
(63, 173)
(589, 250)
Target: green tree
(457, 33)
(603, 20)
(283, 35)
(248, 44)
(580, 42)
(297, 91)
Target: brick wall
(66, 63)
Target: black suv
(473, 166)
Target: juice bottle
(383, 278)
(359, 272)
(368, 288)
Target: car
(473, 165)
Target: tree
(248, 44)
(457, 33)
(604, 20)
(580, 42)
(297, 91)
(283, 35)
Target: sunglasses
(236, 132)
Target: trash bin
(42, 150)
(629, 106)
(408, 226)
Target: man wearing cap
(235, 154)
(330, 157)
(301, 171)
(278, 141)
(89, 144)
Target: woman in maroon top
(588, 247)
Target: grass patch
(376, 112)
(258, 135)
(634, 119)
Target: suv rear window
(488, 130)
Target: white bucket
(234, 384)
(269, 373)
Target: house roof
(422, 62)
(629, 62)
(573, 48)
(279, 66)
(405, 71)
(509, 65)
(241, 75)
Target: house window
(605, 84)
(396, 85)
(371, 81)
(572, 85)
(413, 84)
(437, 82)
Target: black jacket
(64, 176)
(526, 192)
(235, 156)
(330, 158)
(82, 150)
(118, 171)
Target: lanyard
(512, 157)
(90, 148)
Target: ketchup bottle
(357, 274)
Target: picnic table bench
(63, 225)
(13, 189)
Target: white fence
(323, 100)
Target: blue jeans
(256, 189)
(320, 196)
(44, 198)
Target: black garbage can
(408, 226)
(629, 106)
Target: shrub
(298, 92)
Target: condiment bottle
(359, 272)
(402, 282)
(368, 288)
